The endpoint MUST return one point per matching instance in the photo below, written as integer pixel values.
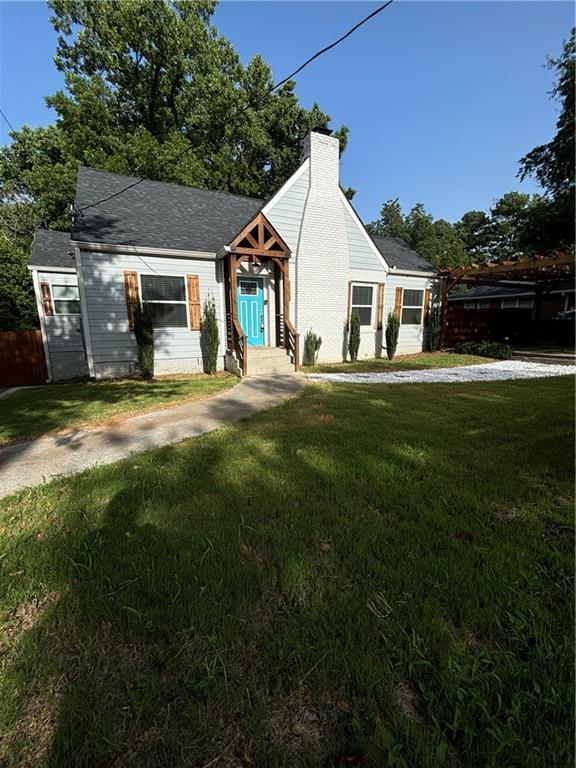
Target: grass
(364, 572)
(420, 361)
(42, 410)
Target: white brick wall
(320, 269)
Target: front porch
(257, 296)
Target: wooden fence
(22, 359)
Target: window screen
(362, 296)
(165, 297)
(66, 299)
(412, 302)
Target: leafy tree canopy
(147, 82)
(153, 90)
(437, 241)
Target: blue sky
(442, 98)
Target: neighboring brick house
(300, 261)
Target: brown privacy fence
(22, 359)
(516, 326)
(486, 324)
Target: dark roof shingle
(157, 214)
(51, 248)
(399, 254)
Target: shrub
(392, 331)
(493, 349)
(144, 333)
(434, 332)
(210, 335)
(312, 344)
(354, 336)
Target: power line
(250, 106)
(8, 122)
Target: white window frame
(412, 306)
(358, 284)
(157, 301)
(55, 301)
(470, 304)
(483, 303)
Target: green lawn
(56, 407)
(377, 571)
(420, 361)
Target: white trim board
(127, 249)
(40, 268)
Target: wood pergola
(259, 243)
(538, 272)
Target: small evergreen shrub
(392, 331)
(354, 336)
(144, 333)
(494, 349)
(210, 335)
(312, 344)
(434, 331)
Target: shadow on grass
(259, 596)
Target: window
(412, 302)
(362, 297)
(248, 288)
(165, 296)
(66, 299)
(526, 302)
(469, 304)
(483, 303)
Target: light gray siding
(360, 253)
(114, 352)
(285, 214)
(63, 335)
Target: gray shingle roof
(399, 254)
(496, 291)
(157, 214)
(51, 248)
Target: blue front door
(251, 309)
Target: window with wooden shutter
(132, 296)
(398, 301)
(46, 296)
(412, 303)
(380, 307)
(194, 308)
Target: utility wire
(239, 112)
(8, 122)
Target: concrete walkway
(37, 461)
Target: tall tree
(437, 241)
(551, 223)
(152, 89)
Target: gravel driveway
(500, 371)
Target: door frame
(264, 284)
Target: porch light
(254, 267)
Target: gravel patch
(502, 370)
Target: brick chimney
(321, 263)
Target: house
(521, 313)
(558, 297)
(300, 261)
